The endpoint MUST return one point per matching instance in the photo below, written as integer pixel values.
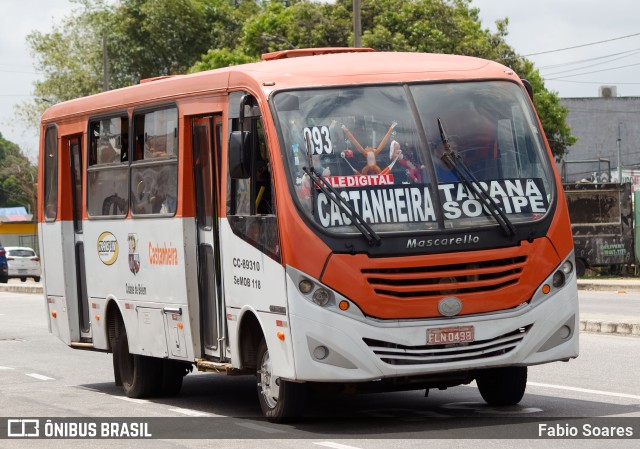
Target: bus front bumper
(330, 347)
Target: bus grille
(395, 354)
(426, 281)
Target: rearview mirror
(240, 154)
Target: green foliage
(147, 38)
(223, 57)
(302, 24)
(17, 176)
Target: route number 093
(319, 139)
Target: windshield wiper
(372, 237)
(453, 159)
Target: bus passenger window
(51, 174)
(154, 173)
(156, 134)
(108, 171)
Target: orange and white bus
(332, 216)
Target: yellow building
(18, 228)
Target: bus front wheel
(280, 400)
(502, 386)
(138, 373)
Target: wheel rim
(268, 384)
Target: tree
(17, 176)
(147, 38)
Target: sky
(535, 26)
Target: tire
(140, 375)
(580, 267)
(4, 280)
(172, 374)
(23, 279)
(502, 386)
(280, 400)
(36, 279)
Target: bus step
(217, 367)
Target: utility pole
(105, 65)
(357, 28)
(619, 157)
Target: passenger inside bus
(108, 153)
(472, 130)
(444, 172)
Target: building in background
(18, 228)
(608, 131)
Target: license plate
(450, 335)
(22, 271)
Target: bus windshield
(382, 147)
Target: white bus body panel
(59, 276)
(255, 283)
(351, 359)
(150, 273)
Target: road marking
(39, 376)
(82, 387)
(585, 390)
(481, 407)
(5, 367)
(335, 445)
(137, 401)
(259, 427)
(189, 412)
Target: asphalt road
(620, 306)
(41, 377)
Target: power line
(591, 65)
(583, 45)
(594, 71)
(579, 61)
(558, 80)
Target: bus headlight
(558, 279)
(567, 267)
(305, 286)
(321, 297)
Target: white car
(23, 263)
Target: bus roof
(291, 72)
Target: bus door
(80, 293)
(206, 165)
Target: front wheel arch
(250, 334)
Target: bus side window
(51, 173)
(154, 173)
(108, 170)
(250, 202)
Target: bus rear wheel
(502, 386)
(138, 373)
(280, 400)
